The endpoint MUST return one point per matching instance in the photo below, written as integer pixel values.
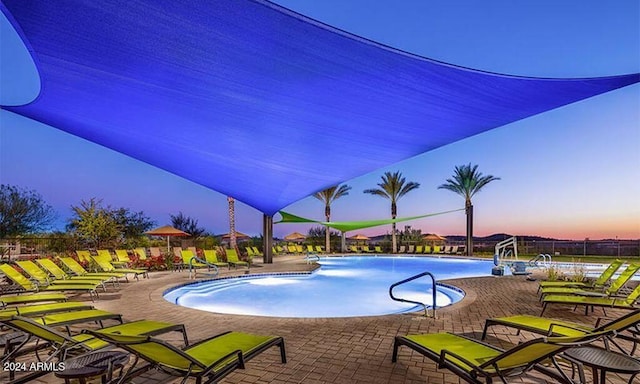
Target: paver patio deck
(341, 350)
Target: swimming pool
(341, 287)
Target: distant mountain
(500, 237)
(491, 238)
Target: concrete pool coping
(340, 350)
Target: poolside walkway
(343, 350)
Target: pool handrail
(433, 291)
(536, 260)
(311, 256)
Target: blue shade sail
(253, 100)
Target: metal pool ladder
(433, 290)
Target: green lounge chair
(588, 301)
(613, 289)
(378, 249)
(211, 257)
(84, 256)
(60, 275)
(353, 248)
(122, 258)
(44, 309)
(365, 248)
(257, 252)
(104, 254)
(28, 286)
(427, 249)
(31, 298)
(319, 249)
(76, 317)
(232, 258)
(310, 249)
(477, 362)
(76, 268)
(106, 266)
(599, 282)
(250, 252)
(42, 278)
(191, 261)
(62, 343)
(553, 327)
(419, 249)
(209, 360)
(141, 253)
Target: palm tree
(328, 196)
(466, 182)
(232, 222)
(393, 187)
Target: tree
(316, 235)
(466, 182)
(98, 226)
(410, 235)
(23, 212)
(93, 224)
(132, 224)
(187, 224)
(393, 187)
(328, 196)
(232, 222)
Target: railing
(311, 257)
(535, 261)
(433, 290)
(192, 269)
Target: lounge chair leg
(484, 331)
(283, 354)
(394, 356)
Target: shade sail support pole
(267, 238)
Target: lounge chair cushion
(209, 351)
(32, 298)
(474, 352)
(31, 310)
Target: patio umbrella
(168, 231)
(358, 237)
(239, 236)
(434, 239)
(295, 236)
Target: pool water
(341, 287)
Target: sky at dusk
(570, 173)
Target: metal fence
(27, 246)
(621, 248)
